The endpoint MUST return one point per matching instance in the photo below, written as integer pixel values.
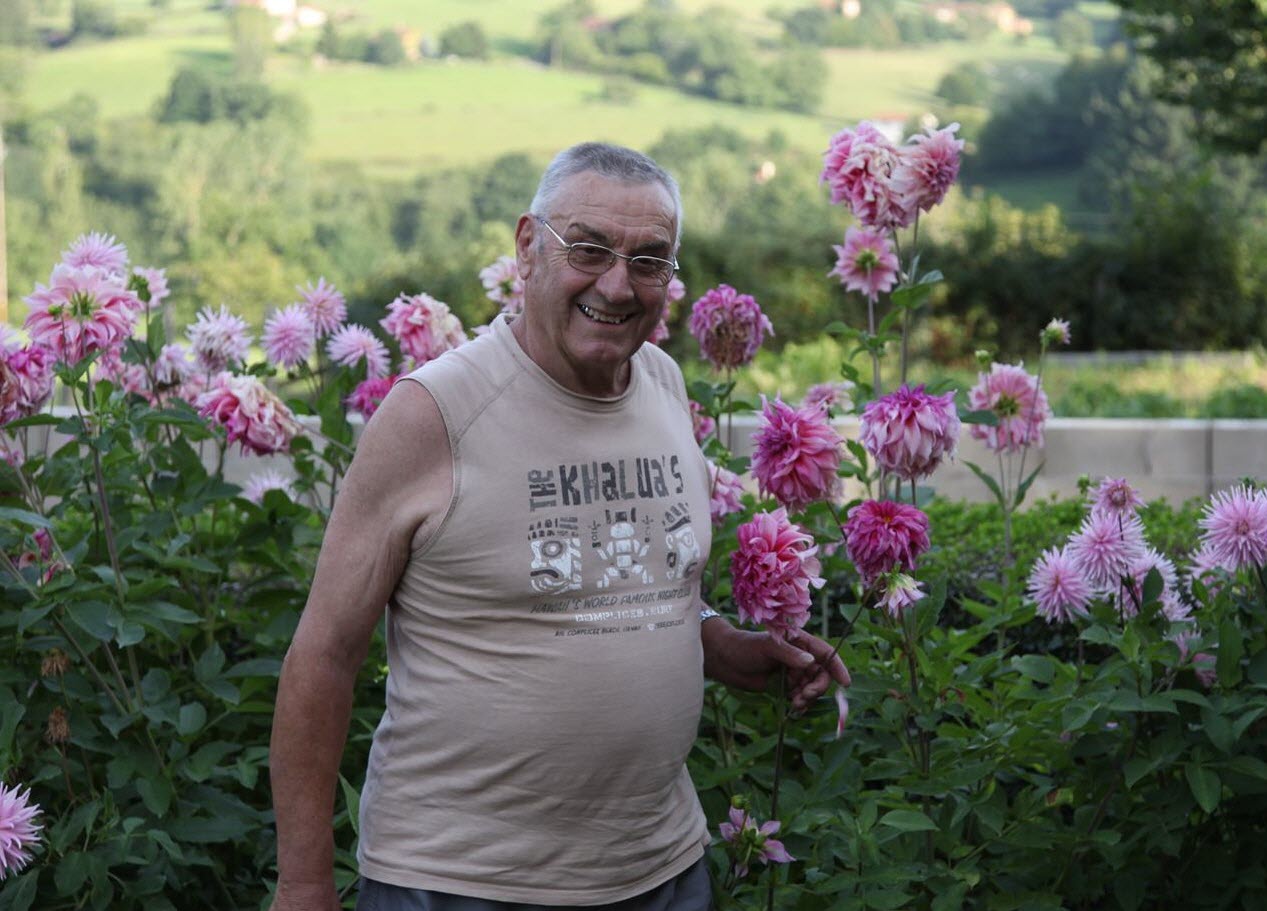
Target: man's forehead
(588, 197)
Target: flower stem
(778, 773)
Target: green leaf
(989, 482)
(156, 793)
(191, 719)
(94, 618)
(70, 873)
(1218, 729)
(11, 712)
(23, 517)
(1023, 488)
(986, 418)
(1231, 650)
(908, 821)
(1205, 786)
(19, 893)
(256, 667)
(1036, 667)
(208, 831)
(209, 664)
(1248, 765)
(352, 800)
(1153, 584)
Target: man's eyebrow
(658, 248)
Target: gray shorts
(688, 891)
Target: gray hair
(615, 162)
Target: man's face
(582, 328)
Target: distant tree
(93, 18)
(1074, 31)
(808, 25)
(564, 40)
(251, 30)
(1213, 59)
(191, 95)
(328, 41)
(15, 22)
(385, 49)
(799, 75)
(466, 39)
(967, 83)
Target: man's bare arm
(396, 489)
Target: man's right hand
(305, 897)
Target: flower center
(1007, 407)
(82, 305)
(866, 260)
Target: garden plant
(1061, 706)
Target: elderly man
(534, 511)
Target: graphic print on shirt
(556, 555)
(623, 551)
(679, 537)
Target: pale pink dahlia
(1059, 587)
(746, 841)
(927, 167)
(866, 263)
(884, 535)
(703, 425)
(1056, 333)
(353, 343)
(219, 339)
(725, 488)
(900, 592)
(795, 454)
(1020, 405)
(830, 396)
(253, 416)
(729, 327)
(18, 830)
(909, 431)
(173, 365)
(26, 381)
(660, 334)
(1235, 527)
(262, 483)
(1105, 548)
(858, 167)
(1116, 496)
(83, 309)
(369, 394)
(424, 326)
(154, 282)
(11, 454)
(502, 284)
(289, 337)
(128, 377)
(325, 305)
(773, 569)
(98, 251)
(674, 291)
(1208, 567)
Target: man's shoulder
(662, 369)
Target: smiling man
(532, 508)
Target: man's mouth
(604, 318)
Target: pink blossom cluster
(349, 345)
(702, 424)
(883, 535)
(252, 416)
(290, 337)
(26, 380)
(899, 592)
(502, 284)
(796, 453)
(773, 569)
(82, 309)
(424, 326)
(324, 305)
(885, 186)
(867, 262)
(729, 327)
(19, 832)
(673, 292)
(1234, 528)
(1018, 402)
(369, 394)
(219, 339)
(270, 479)
(830, 396)
(909, 431)
(747, 841)
(725, 488)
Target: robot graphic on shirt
(556, 555)
(679, 537)
(623, 552)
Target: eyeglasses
(596, 259)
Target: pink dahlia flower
(128, 377)
(900, 592)
(262, 483)
(155, 284)
(1105, 548)
(219, 339)
(830, 396)
(858, 167)
(884, 535)
(18, 830)
(424, 326)
(10, 454)
(773, 569)
(909, 431)
(729, 327)
(1020, 405)
(795, 455)
(703, 425)
(927, 167)
(503, 285)
(866, 263)
(725, 489)
(674, 291)
(97, 251)
(173, 365)
(325, 305)
(253, 416)
(290, 337)
(369, 394)
(1235, 527)
(353, 343)
(747, 841)
(83, 309)
(1208, 567)
(660, 334)
(1117, 497)
(1056, 333)
(26, 381)
(1059, 587)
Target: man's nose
(614, 284)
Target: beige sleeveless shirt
(546, 673)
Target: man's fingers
(824, 655)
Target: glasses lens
(650, 270)
(591, 258)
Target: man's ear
(525, 235)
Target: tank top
(545, 668)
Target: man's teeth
(602, 318)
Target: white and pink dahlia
(369, 394)
(502, 284)
(83, 309)
(173, 365)
(325, 306)
(26, 381)
(352, 344)
(1106, 547)
(773, 569)
(155, 284)
(290, 337)
(251, 415)
(796, 453)
(270, 479)
(1017, 401)
(830, 396)
(19, 831)
(425, 327)
(900, 593)
(927, 167)
(725, 490)
(1058, 586)
(1234, 525)
(97, 251)
(219, 339)
(909, 431)
(866, 263)
(1117, 497)
(858, 168)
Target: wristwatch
(707, 613)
